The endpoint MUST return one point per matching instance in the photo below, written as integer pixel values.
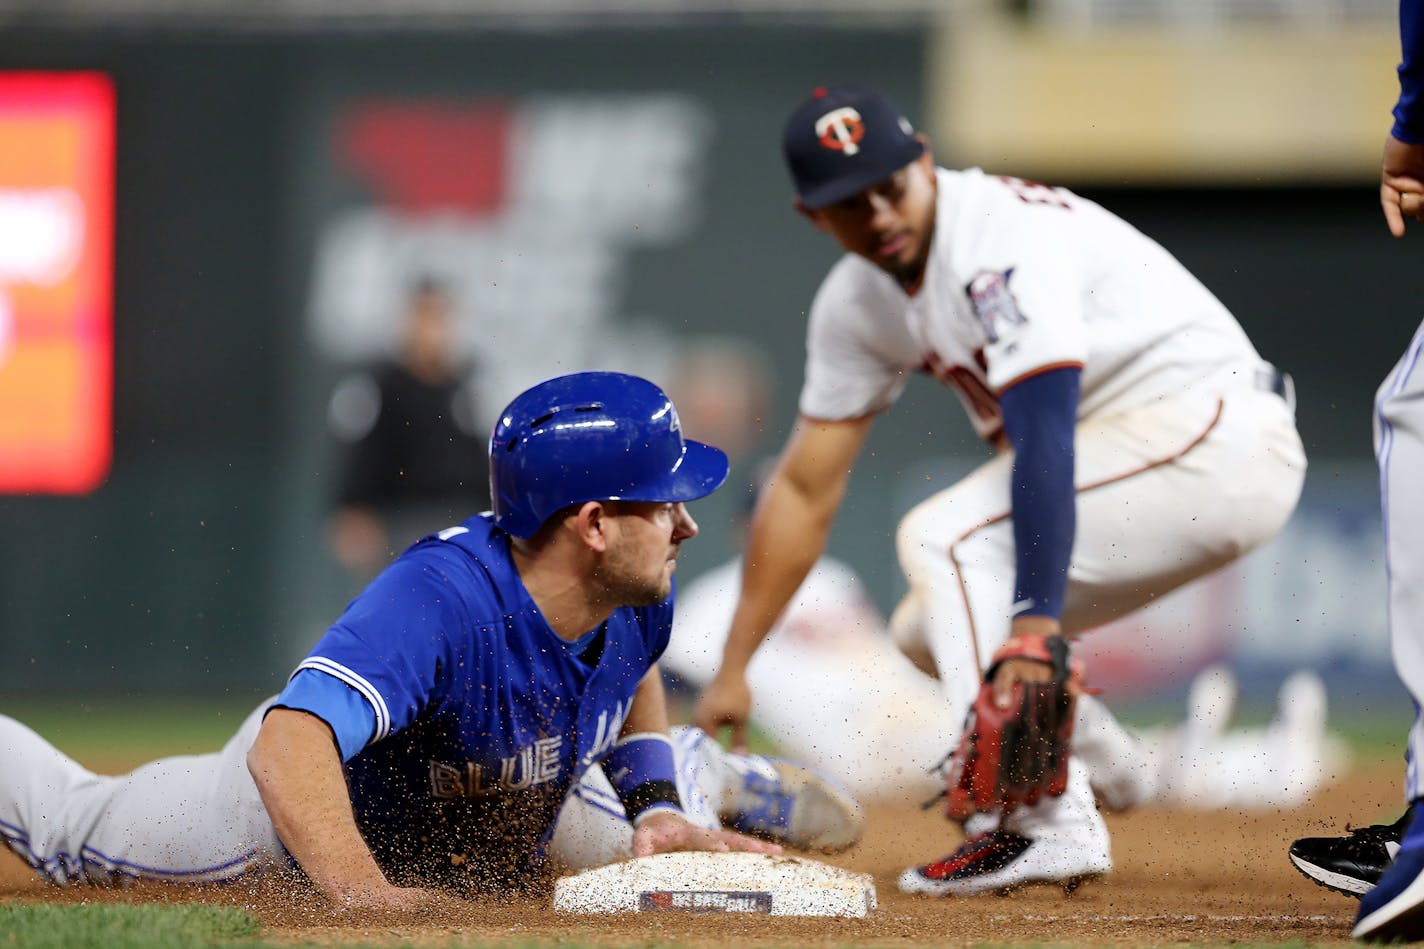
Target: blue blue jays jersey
(484, 716)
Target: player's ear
(926, 159)
(810, 214)
(590, 523)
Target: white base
(718, 883)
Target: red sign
(56, 281)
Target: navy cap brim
(853, 183)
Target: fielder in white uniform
(1142, 441)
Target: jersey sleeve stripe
(1050, 367)
(600, 801)
(366, 689)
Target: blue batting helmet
(593, 436)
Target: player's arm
(1402, 173)
(1040, 416)
(642, 769)
(296, 765)
(340, 700)
(786, 537)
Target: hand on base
(666, 831)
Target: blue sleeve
(1040, 414)
(395, 644)
(1409, 111)
(350, 716)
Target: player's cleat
(1001, 860)
(1352, 864)
(792, 804)
(1394, 908)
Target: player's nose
(882, 209)
(683, 526)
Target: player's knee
(909, 633)
(907, 627)
(915, 537)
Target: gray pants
(1399, 448)
(199, 818)
(190, 818)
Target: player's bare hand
(385, 898)
(666, 831)
(1402, 184)
(1013, 671)
(725, 702)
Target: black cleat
(1351, 864)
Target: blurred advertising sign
(56, 278)
(530, 210)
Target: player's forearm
(789, 528)
(642, 766)
(297, 769)
(1039, 419)
(648, 710)
(787, 537)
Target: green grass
(120, 731)
(138, 926)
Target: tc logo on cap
(840, 130)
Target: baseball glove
(1015, 756)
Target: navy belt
(1271, 379)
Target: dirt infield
(1200, 877)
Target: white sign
(41, 234)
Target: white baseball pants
(189, 818)
(1399, 449)
(1165, 494)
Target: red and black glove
(1018, 755)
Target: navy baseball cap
(844, 139)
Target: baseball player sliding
(431, 739)
(1141, 442)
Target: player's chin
(659, 589)
(896, 265)
(648, 595)
(910, 255)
